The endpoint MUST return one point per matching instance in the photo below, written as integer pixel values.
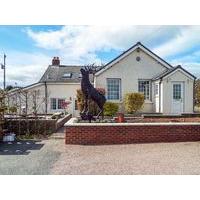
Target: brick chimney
(56, 61)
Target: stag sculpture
(90, 93)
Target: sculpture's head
(84, 72)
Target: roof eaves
(43, 76)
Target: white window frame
(177, 91)
(58, 103)
(144, 92)
(57, 99)
(51, 104)
(156, 89)
(112, 99)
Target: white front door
(177, 97)
(75, 108)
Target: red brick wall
(131, 134)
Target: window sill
(121, 101)
(147, 101)
(57, 109)
(114, 101)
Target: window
(67, 75)
(144, 88)
(61, 103)
(177, 91)
(53, 103)
(113, 88)
(57, 103)
(156, 89)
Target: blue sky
(29, 49)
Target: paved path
(60, 134)
(54, 157)
(28, 157)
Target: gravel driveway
(54, 157)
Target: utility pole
(3, 66)
(4, 73)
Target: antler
(89, 68)
(86, 68)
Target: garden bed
(148, 130)
(147, 119)
(39, 126)
(160, 119)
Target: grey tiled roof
(55, 74)
(162, 74)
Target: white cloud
(24, 68)
(183, 41)
(80, 44)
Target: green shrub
(80, 99)
(12, 109)
(110, 109)
(92, 105)
(133, 102)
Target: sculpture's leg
(88, 105)
(102, 115)
(85, 109)
(101, 111)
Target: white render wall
(63, 90)
(157, 97)
(167, 94)
(129, 71)
(54, 90)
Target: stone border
(62, 121)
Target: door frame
(183, 96)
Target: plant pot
(120, 118)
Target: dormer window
(80, 75)
(67, 75)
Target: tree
(23, 103)
(197, 92)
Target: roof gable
(129, 51)
(173, 70)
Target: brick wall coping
(66, 116)
(73, 122)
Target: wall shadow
(22, 147)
